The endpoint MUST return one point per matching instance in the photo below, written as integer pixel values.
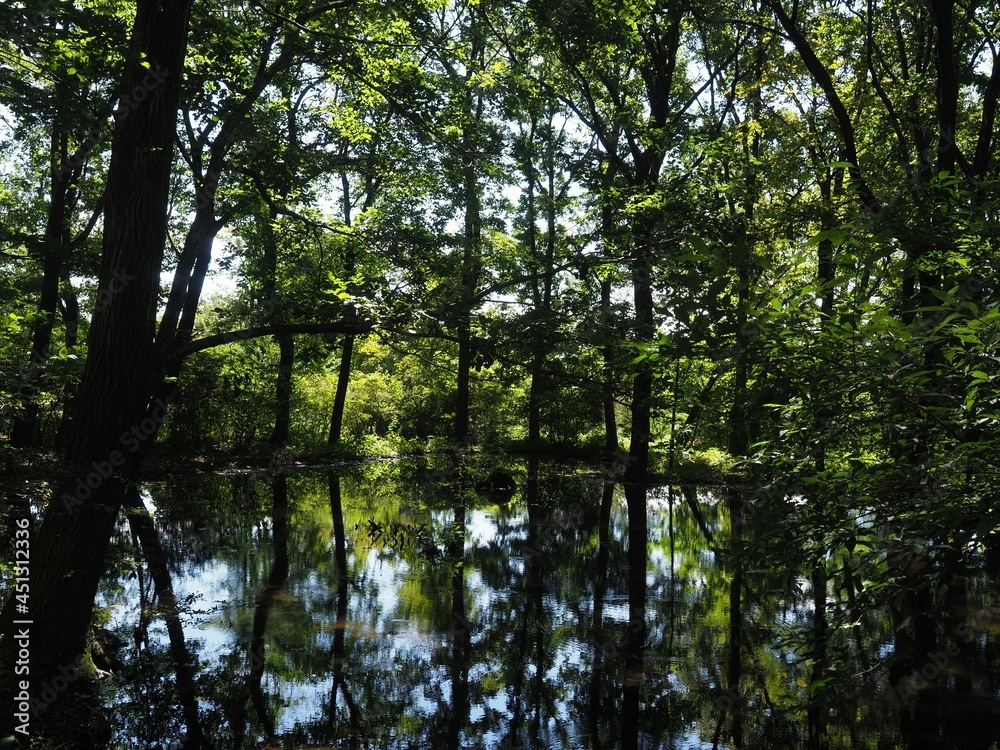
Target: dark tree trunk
(340, 397)
(347, 348)
(186, 289)
(70, 309)
(607, 327)
(608, 375)
(469, 282)
(283, 390)
(542, 333)
(113, 414)
(471, 261)
(535, 391)
(642, 384)
(531, 240)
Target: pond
(411, 605)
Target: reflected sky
(470, 622)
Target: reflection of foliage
(542, 607)
(408, 539)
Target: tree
(121, 364)
(57, 88)
(620, 76)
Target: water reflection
(396, 606)
(635, 643)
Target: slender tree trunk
(542, 333)
(608, 349)
(71, 320)
(340, 397)
(738, 433)
(286, 347)
(608, 374)
(642, 383)
(472, 115)
(531, 240)
(114, 416)
(283, 390)
(470, 279)
(347, 348)
(70, 309)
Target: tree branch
(824, 80)
(256, 332)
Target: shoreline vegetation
(16, 467)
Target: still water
(414, 604)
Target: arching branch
(245, 334)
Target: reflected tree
(145, 531)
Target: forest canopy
(762, 230)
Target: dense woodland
(756, 239)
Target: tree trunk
(347, 348)
(543, 330)
(642, 384)
(608, 374)
(470, 280)
(607, 350)
(535, 396)
(340, 397)
(472, 111)
(113, 414)
(283, 390)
